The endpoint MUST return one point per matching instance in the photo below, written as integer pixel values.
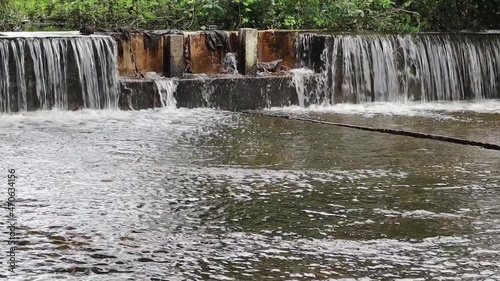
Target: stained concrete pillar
(278, 44)
(174, 63)
(249, 38)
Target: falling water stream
(165, 88)
(402, 68)
(41, 72)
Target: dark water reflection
(207, 195)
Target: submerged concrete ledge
(221, 92)
(239, 93)
(137, 94)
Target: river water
(213, 195)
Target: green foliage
(356, 15)
(459, 14)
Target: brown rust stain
(201, 59)
(140, 54)
(125, 65)
(234, 41)
(277, 44)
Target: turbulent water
(212, 195)
(42, 72)
(400, 68)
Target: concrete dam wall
(247, 69)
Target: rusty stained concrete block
(201, 59)
(174, 63)
(199, 56)
(249, 45)
(146, 51)
(277, 44)
(273, 45)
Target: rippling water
(212, 195)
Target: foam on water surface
(427, 109)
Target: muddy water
(210, 195)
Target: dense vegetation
(377, 15)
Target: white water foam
(80, 117)
(434, 109)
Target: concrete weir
(245, 69)
(62, 70)
(228, 93)
(196, 61)
(214, 68)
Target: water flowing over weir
(165, 87)
(57, 72)
(400, 68)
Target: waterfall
(298, 81)
(4, 78)
(165, 88)
(58, 72)
(401, 68)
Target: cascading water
(57, 72)
(299, 82)
(400, 68)
(166, 89)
